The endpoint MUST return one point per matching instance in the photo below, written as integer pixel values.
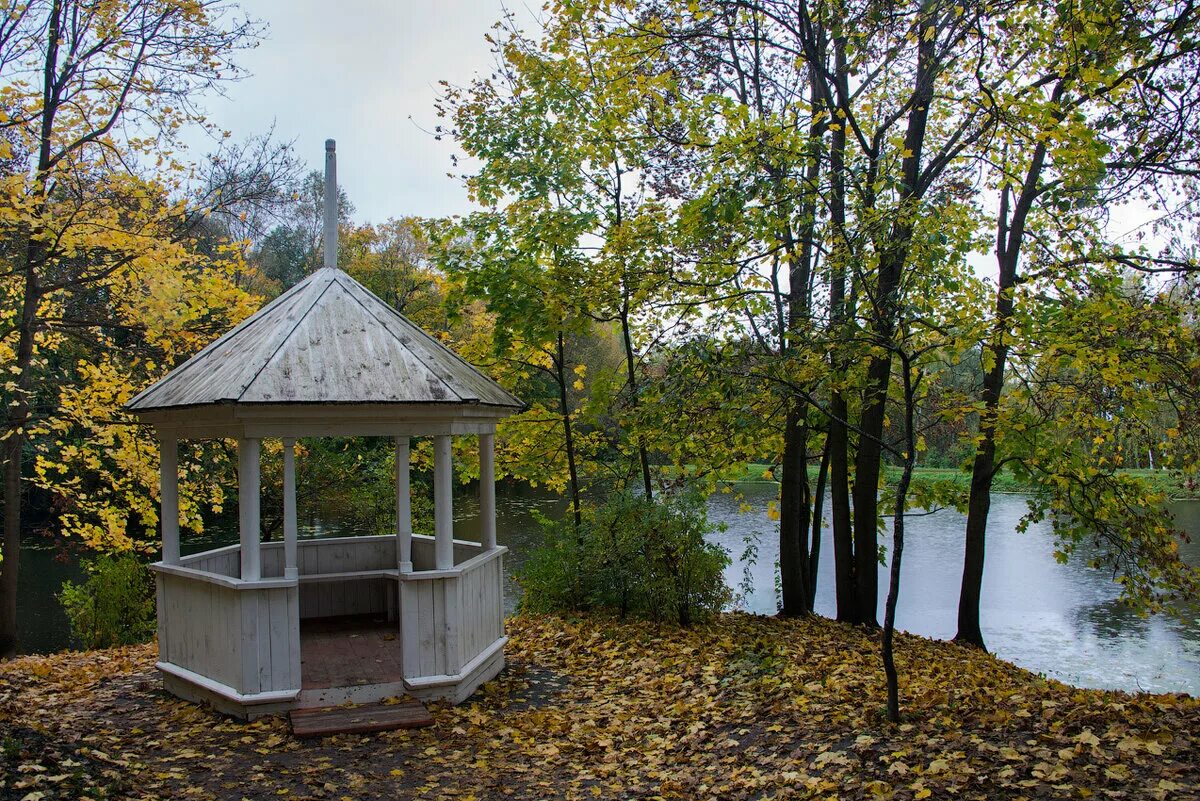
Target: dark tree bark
(564, 408)
(795, 498)
(18, 416)
(889, 614)
(631, 379)
(838, 439)
(814, 547)
(1009, 235)
(794, 508)
(893, 258)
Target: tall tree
(1107, 111)
(92, 90)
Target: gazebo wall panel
(221, 562)
(204, 621)
(357, 596)
(481, 626)
(270, 636)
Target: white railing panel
(236, 634)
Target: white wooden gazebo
(327, 358)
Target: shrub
(647, 559)
(114, 606)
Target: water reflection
(1060, 620)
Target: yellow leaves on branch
(101, 465)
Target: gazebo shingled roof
(326, 340)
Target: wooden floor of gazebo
(347, 652)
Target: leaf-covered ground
(748, 708)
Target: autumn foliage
(748, 707)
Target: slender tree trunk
(795, 501)
(564, 406)
(14, 445)
(1009, 236)
(18, 417)
(12, 544)
(838, 439)
(893, 255)
(631, 378)
(814, 548)
(867, 464)
(889, 613)
(626, 334)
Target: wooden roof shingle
(327, 340)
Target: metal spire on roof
(326, 340)
(331, 204)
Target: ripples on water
(1060, 620)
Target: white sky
(365, 72)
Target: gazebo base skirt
(348, 628)
(454, 689)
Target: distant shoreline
(1006, 483)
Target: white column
(487, 490)
(290, 570)
(248, 511)
(168, 492)
(403, 507)
(443, 509)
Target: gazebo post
(487, 490)
(443, 509)
(403, 507)
(168, 491)
(290, 570)
(248, 507)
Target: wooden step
(364, 718)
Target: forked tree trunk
(814, 547)
(838, 438)
(794, 507)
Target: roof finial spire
(331, 204)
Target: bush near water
(639, 558)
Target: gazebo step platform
(362, 719)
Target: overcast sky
(364, 72)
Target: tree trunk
(794, 506)
(1010, 234)
(14, 444)
(564, 406)
(838, 438)
(814, 548)
(631, 378)
(893, 255)
(889, 613)
(18, 418)
(867, 464)
(795, 501)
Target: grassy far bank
(1167, 482)
(746, 708)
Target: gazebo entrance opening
(257, 628)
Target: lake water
(1060, 620)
